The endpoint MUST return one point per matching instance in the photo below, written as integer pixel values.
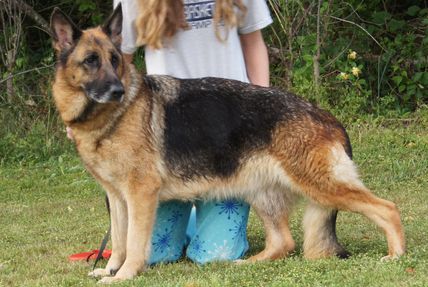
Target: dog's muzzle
(117, 92)
(110, 92)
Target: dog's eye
(91, 60)
(114, 60)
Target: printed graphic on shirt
(199, 14)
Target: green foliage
(390, 39)
(91, 8)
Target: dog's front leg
(141, 200)
(119, 227)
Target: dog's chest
(107, 165)
(101, 169)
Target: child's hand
(69, 133)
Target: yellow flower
(356, 71)
(343, 76)
(352, 55)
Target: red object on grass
(89, 255)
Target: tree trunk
(29, 11)
(318, 48)
(9, 88)
(290, 62)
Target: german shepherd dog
(152, 138)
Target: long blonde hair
(161, 19)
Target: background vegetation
(365, 61)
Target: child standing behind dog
(198, 39)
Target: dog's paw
(110, 280)
(99, 272)
(241, 261)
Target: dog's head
(90, 60)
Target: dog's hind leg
(336, 184)
(382, 212)
(320, 238)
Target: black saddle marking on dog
(215, 123)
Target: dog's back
(211, 125)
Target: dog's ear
(64, 32)
(113, 26)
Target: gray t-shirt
(197, 52)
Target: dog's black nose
(117, 92)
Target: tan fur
(122, 147)
(317, 237)
(279, 241)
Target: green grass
(51, 209)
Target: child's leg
(169, 232)
(221, 231)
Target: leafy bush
(390, 38)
